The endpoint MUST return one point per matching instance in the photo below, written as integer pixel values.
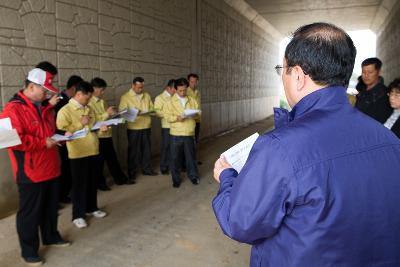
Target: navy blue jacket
(322, 189)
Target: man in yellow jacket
(182, 130)
(106, 146)
(139, 131)
(193, 91)
(83, 154)
(160, 106)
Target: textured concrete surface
(388, 44)
(159, 40)
(149, 224)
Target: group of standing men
(48, 170)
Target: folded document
(238, 154)
(8, 135)
(76, 135)
(98, 124)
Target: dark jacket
(374, 102)
(32, 161)
(322, 189)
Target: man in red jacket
(35, 164)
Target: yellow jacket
(173, 109)
(196, 95)
(99, 108)
(141, 102)
(159, 106)
(69, 119)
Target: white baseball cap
(42, 78)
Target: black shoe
(33, 261)
(59, 244)
(65, 200)
(164, 172)
(195, 181)
(132, 180)
(104, 188)
(176, 185)
(199, 162)
(150, 173)
(121, 182)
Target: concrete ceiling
(287, 15)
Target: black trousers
(37, 210)
(107, 154)
(165, 150)
(65, 177)
(183, 146)
(84, 189)
(197, 132)
(139, 151)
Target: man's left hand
(220, 165)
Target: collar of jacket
(319, 99)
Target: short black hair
(47, 66)
(194, 75)
(138, 80)
(372, 61)
(171, 83)
(181, 82)
(325, 52)
(73, 81)
(98, 82)
(394, 85)
(84, 87)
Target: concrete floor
(149, 224)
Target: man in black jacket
(373, 101)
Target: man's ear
(300, 77)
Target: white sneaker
(99, 214)
(80, 223)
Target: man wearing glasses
(35, 164)
(322, 188)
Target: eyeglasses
(278, 69)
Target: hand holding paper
(187, 113)
(238, 154)
(76, 135)
(111, 122)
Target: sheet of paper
(9, 138)
(238, 154)
(119, 114)
(130, 115)
(5, 124)
(76, 135)
(98, 124)
(190, 112)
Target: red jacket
(32, 161)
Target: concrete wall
(156, 39)
(388, 43)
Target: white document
(238, 154)
(98, 124)
(9, 138)
(76, 135)
(119, 114)
(190, 112)
(8, 135)
(130, 114)
(5, 124)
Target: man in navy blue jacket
(323, 188)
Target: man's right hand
(50, 142)
(85, 120)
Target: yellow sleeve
(92, 117)
(169, 113)
(105, 115)
(158, 106)
(64, 122)
(123, 104)
(151, 105)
